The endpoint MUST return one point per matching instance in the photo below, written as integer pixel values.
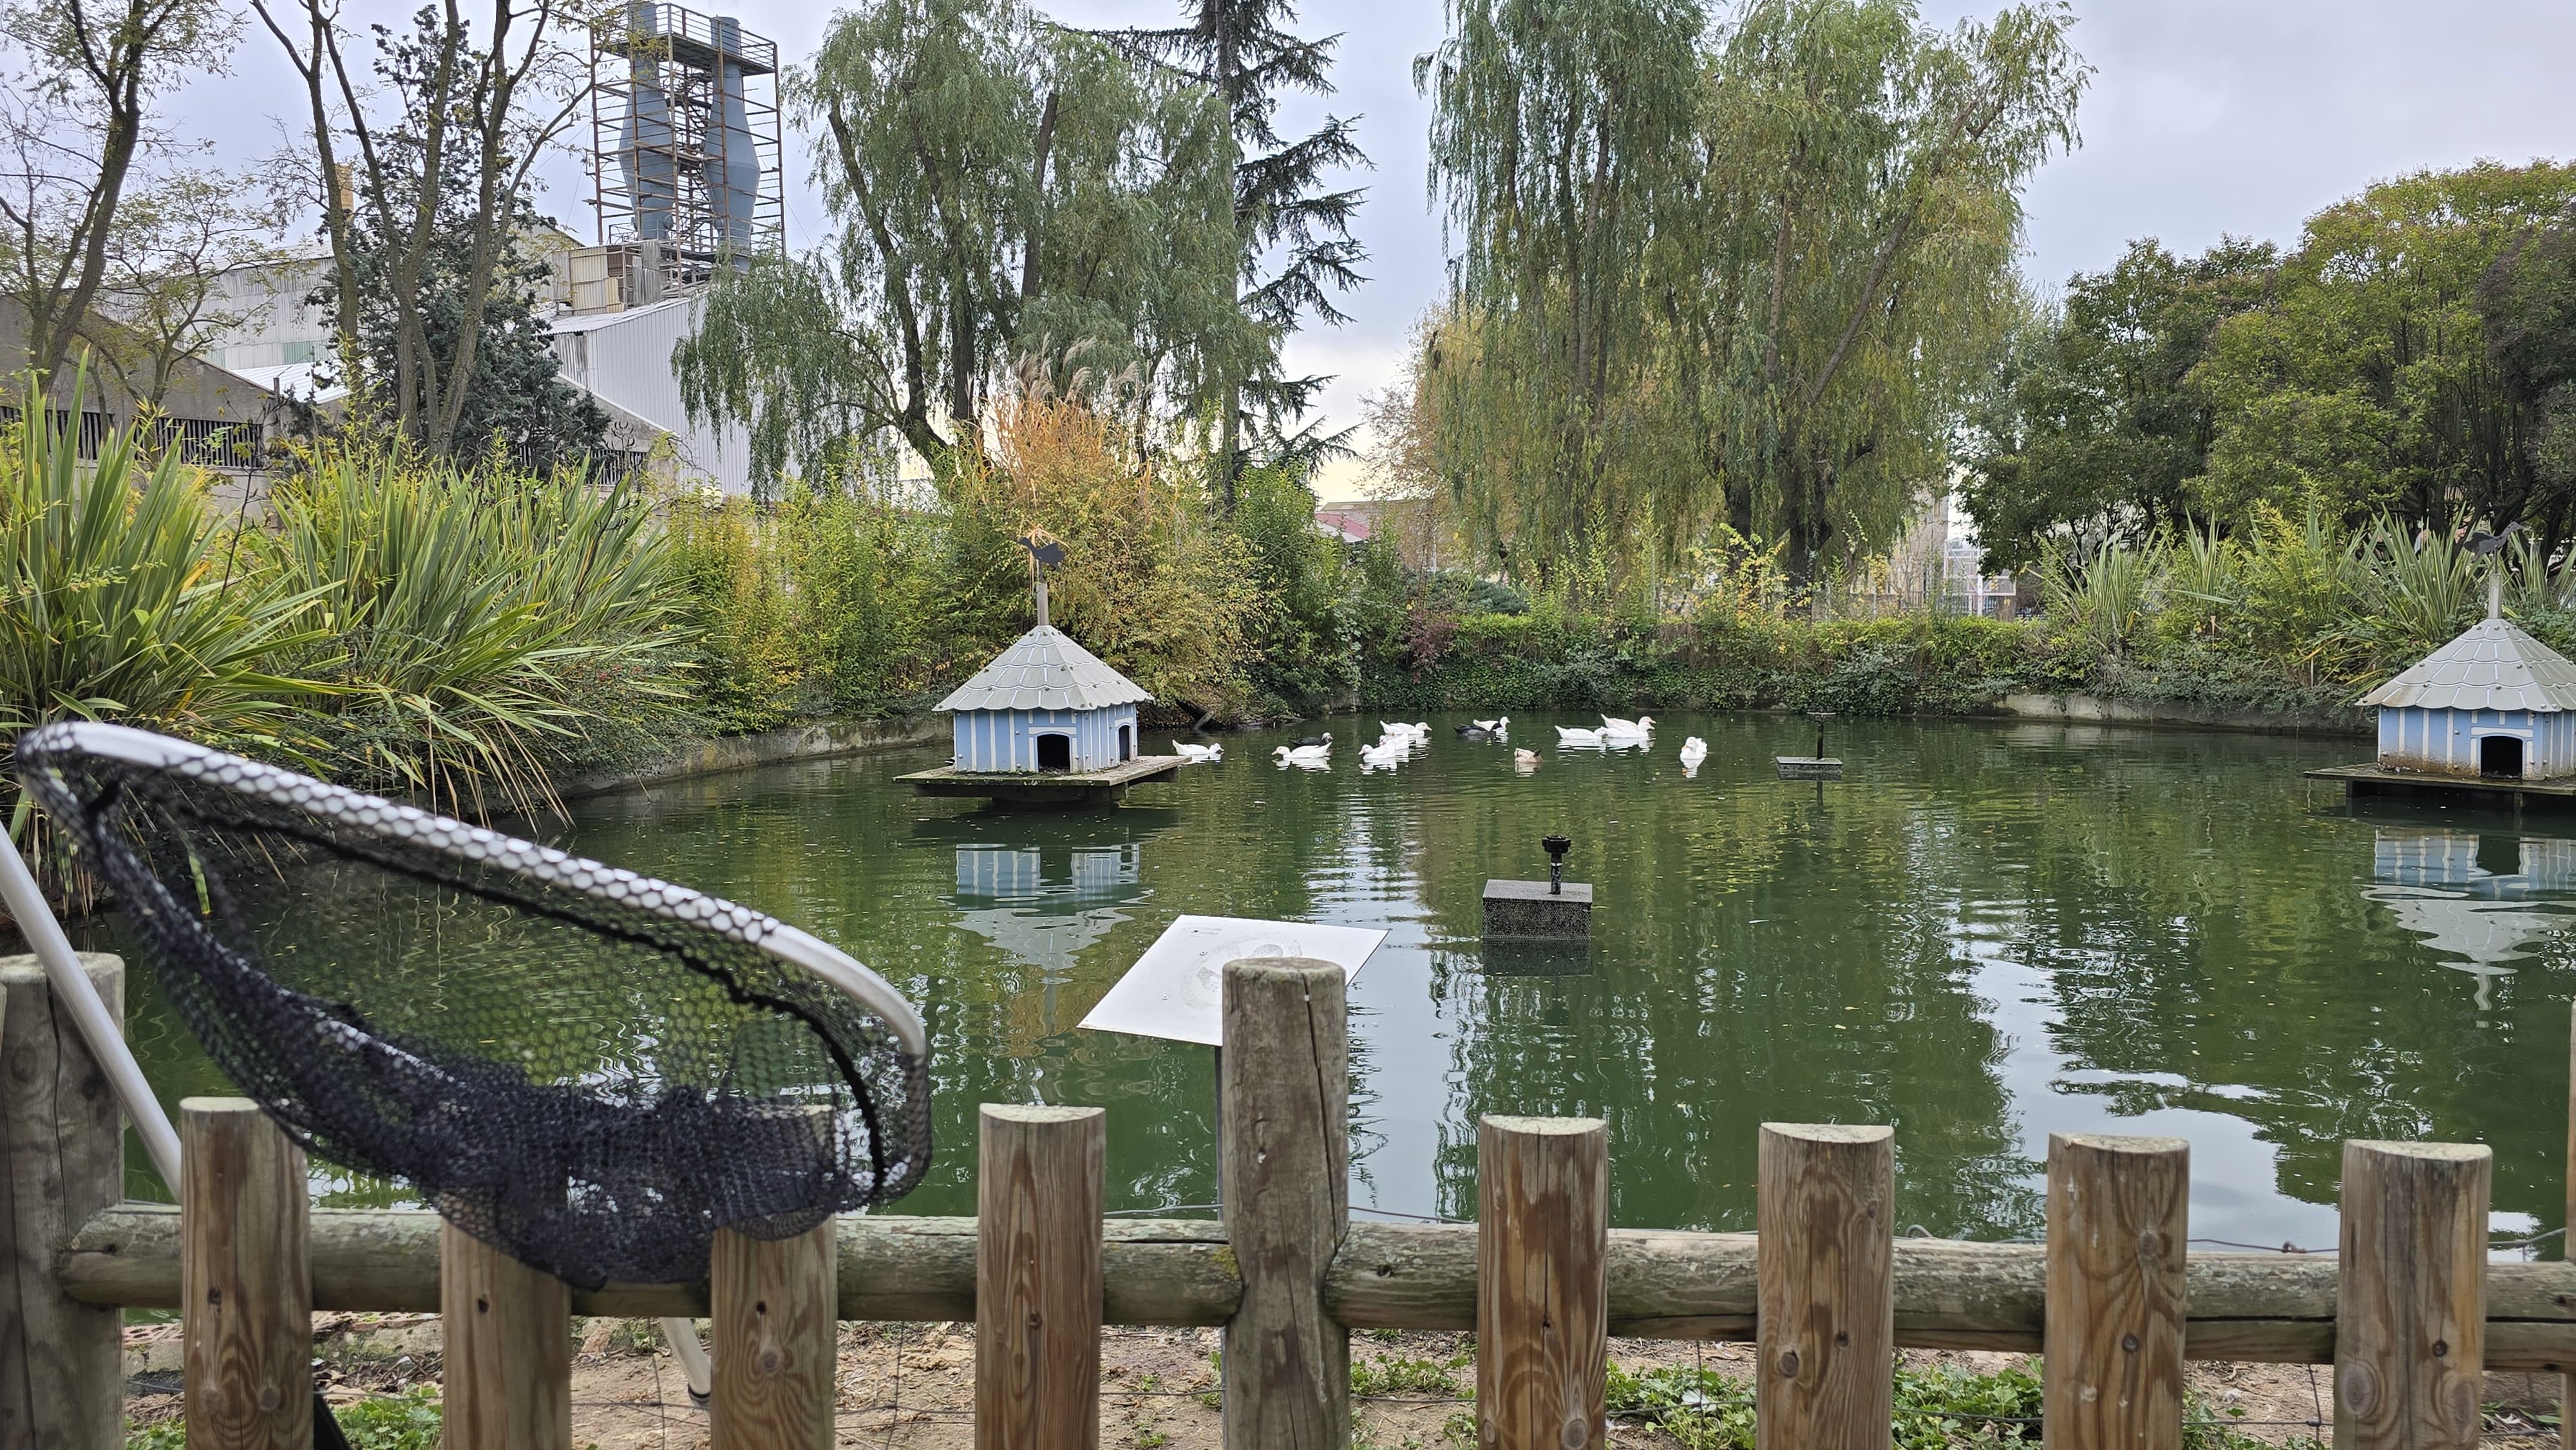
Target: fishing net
(584, 1067)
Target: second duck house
(1046, 704)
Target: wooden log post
(505, 1333)
(2410, 1304)
(1284, 1171)
(775, 1341)
(1542, 1283)
(1041, 1184)
(246, 1310)
(62, 1159)
(2117, 1230)
(1825, 1312)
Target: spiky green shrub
(124, 596)
(485, 635)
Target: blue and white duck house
(1045, 705)
(2492, 704)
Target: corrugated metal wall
(1007, 739)
(625, 358)
(2446, 741)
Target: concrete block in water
(1529, 909)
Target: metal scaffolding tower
(686, 144)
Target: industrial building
(687, 158)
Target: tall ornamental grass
(480, 634)
(124, 596)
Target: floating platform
(1060, 790)
(1808, 767)
(2493, 792)
(1531, 911)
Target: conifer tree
(1296, 233)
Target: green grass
(1408, 1375)
(407, 1421)
(1935, 1408)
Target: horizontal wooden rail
(1664, 1284)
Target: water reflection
(2477, 902)
(1046, 904)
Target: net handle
(73, 993)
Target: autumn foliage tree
(1151, 583)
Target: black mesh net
(587, 1068)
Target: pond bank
(2095, 710)
(820, 740)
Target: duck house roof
(2492, 666)
(1045, 670)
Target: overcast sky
(2206, 117)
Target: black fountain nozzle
(1556, 846)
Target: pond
(1986, 932)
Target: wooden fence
(2409, 1311)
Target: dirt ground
(911, 1387)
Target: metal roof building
(1045, 704)
(2492, 703)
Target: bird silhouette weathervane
(1045, 552)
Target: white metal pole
(74, 994)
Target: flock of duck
(1396, 743)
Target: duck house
(1046, 703)
(1046, 723)
(2493, 712)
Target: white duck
(1583, 739)
(1307, 755)
(1199, 754)
(1492, 727)
(1401, 731)
(1525, 759)
(1616, 728)
(1384, 753)
(1694, 750)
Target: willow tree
(1295, 230)
(1859, 210)
(1560, 136)
(1016, 204)
(1735, 275)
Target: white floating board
(1176, 989)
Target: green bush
(123, 595)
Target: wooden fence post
(1041, 1183)
(2410, 1296)
(246, 1306)
(774, 1307)
(1825, 1312)
(505, 1332)
(1542, 1283)
(1285, 1176)
(62, 1159)
(2117, 1231)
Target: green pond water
(1983, 934)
